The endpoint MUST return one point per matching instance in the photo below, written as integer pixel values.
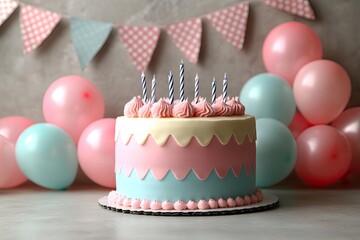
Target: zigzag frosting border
(183, 129)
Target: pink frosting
(254, 199)
(200, 99)
(180, 205)
(203, 109)
(247, 200)
(166, 205)
(135, 203)
(145, 110)
(220, 98)
(127, 202)
(183, 110)
(231, 202)
(191, 205)
(120, 201)
(202, 204)
(239, 201)
(161, 109)
(222, 109)
(145, 204)
(213, 204)
(259, 195)
(238, 108)
(222, 203)
(132, 107)
(155, 205)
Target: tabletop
(31, 212)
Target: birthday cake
(181, 155)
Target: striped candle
(225, 85)
(143, 84)
(182, 82)
(196, 95)
(171, 88)
(213, 91)
(153, 89)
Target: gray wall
(24, 79)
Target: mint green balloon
(275, 152)
(47, 156)
(268, 96)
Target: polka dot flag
(140, 42)
(231, 23)
(187, 37)
(300, 8)
(7, 7)
(36, 25)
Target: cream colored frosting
(183, 129)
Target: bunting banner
(301, 8)
(187, 37)
(140, 42)
(231, 23)
(7, 7)
(88, 37)
(36, 25)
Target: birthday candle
(225, 85)
(143, 84)
(182, 83)
(196, 96)
(171, 88)
(213, 91)
(153, 89)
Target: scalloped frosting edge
(145, 204)
(183, 130)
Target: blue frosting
(190, 188)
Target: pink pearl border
(144, 204)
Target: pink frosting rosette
(203, 109)
(222, 109)
(145, 110)
(161, 109)
(237, 107)
(132, 107)
(183, 110)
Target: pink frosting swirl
(183, 110)
(213, 204)
(135, 203)
(127, 202)
(145, 204)
(191, 205)
(254, 199)
(132, 107)
(238, 108)
(200, 99)
(222, 109)
(161, 109)
(239, 201)
(222, 203)
(145, 110)
(231, 202)
(203, 109)
(247, 200)
(167, 205)
(202, 204)
(259, 195)
(155, 205)
(180, 205)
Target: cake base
(269, 202)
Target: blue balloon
(47, 155)
(275, 152)
(268, 96)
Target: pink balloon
(10, 173)
(96, 152)
(288, 47)
(322, 90)
(298, 124)
(323, 155)
(72, 103)
(11, 127)
(349, 124)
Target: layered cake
(185, 155)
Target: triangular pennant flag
(36, 25)
(187, 37)
(301, 8)
(140, 42)
(231, 23)
(7, 7)
(88, 37)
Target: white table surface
(31, 212)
